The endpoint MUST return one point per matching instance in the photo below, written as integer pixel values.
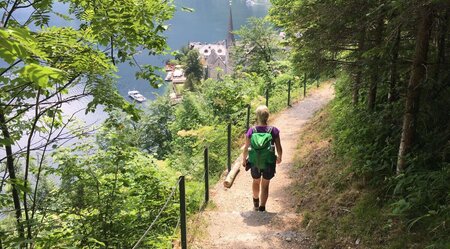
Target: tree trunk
(358, 76)
(440, 61)
(413, 92)
(393, 93)
(12, 176)
(375, 77)
(27, 164)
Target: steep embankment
(231, 223)
(339, 209)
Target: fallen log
(232, 174)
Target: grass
(338, 210)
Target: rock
(288, 239)
(358, 241)
(309, 224)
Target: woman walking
(261, 140)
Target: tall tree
(414, 86)
(258, 44)
(193, 69)
(359, 67)
(375, 61)
(393, 91)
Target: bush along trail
(230, 222)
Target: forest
(390, 118)
(65, 184)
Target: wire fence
(174, 188)
(181, 223)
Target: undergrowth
(346, 208)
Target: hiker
(262, 161)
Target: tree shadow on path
(255, 218)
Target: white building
(215, 57)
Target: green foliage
(43, 69)
(258, 46)
(110, 195)
(130, 24)
(370, 142)
(18, 43)
(229, 96)
(191, 113)
(193, 67)
(151, 133)
(368, 48)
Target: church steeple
(230, 35)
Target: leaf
(6, 141)
(415, 220)
(5, 200)
(20, 185)
(400, 207)
(21, 34)
(161, 28)
(6, 48)
(40, 75)
(187, 9)
(96, 241)
(65, 17)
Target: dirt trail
(234, 224)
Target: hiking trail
(232, 223)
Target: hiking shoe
(262, 209)
(255, 204)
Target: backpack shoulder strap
(254, 129)
(269, 129)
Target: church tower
(230, 36)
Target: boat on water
(136, 95)
(250, 2)
(168, 76)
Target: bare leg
(264, 191)
(255, 187)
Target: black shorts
(267, 173)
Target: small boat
(168, 76)
(250, 2)
(136, 95)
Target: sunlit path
(233, 224)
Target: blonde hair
(262, 115)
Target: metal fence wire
(174, 188)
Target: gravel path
(233, 223)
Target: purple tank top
(275, 132)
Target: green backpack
(261, 152)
